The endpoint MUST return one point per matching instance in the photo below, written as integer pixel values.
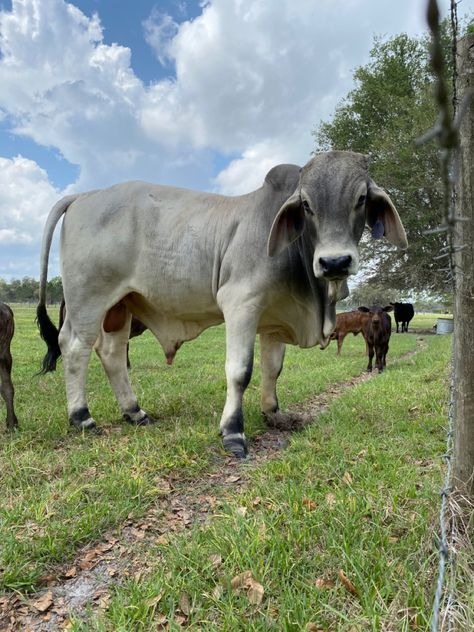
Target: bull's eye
(361, 201)
(307, 207)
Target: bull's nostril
(333, 266)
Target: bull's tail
(48, 330)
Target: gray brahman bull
(273, 262)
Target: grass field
(357, 491)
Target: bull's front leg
(241, 329)
(272, 353)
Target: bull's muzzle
(335, 268)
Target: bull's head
(338, 199)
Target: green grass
(62, 489)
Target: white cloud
(160, 28)
(26, 197)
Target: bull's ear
(287, 225)
(363, 309)
(382, 217)
(389, 308)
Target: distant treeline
(26, 290)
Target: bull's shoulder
(283, 178)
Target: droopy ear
(389, 308)
(363, 309)
(382, 217)
(287, 225)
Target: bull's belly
(171, 326)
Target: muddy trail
(181, 504)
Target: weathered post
(463, 466)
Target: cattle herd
(273, 262)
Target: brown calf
(377, 331)
(7, 329)
(347, 323)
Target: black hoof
(144, 421)
(88, 424)
(237, 447)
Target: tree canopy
(390, 108)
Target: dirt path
(86, 582)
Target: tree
(391, 106)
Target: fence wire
(446, 132)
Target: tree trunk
(463, 466)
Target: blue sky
(206, 95)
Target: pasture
(335, 532)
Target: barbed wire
(444, 549)
(446, 132)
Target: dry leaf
(215, 559)
(153, 600)
(255, 593)
(312, 627)
(185, 604)
(180, 620)
(331, 499)
(44, 602)
(256, 501)
(72, 572)
(217, 592)
(241, 580)
(233, 478)
(309, 504)
(348, 585)
(347, 478)
(162, 539)
(322, 583)
(242, 511)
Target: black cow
(7, 329)
(377, 330)
(403, 313)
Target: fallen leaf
(323, 584)
(162, 539)
(256, 501)
(72, 572)
(44, 602)
(312, 627)
(255, 592)
(215, 559)
(346, 582)
(241, 580)
(242, 511)
(185, 604)
(347, 478)
(233, 478)
(180, 620)
(309, 504)
(217, 592)
(331, 499)
(150, 603)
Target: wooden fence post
(463, 466)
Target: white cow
(273, 262)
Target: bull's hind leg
(7, 389)
(241, 329)
(111, 347)
(272, 353)
(76, 353)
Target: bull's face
(335, 200)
